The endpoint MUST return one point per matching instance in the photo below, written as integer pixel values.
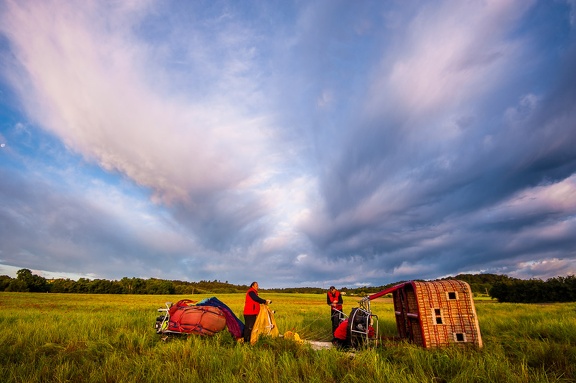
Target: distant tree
(127, 285)
(17, 285)
(62, 285)
(159, 286)
(535, 290)
(570, 282)
(34, 283)
(184, 288)
(24, 275)
(501, 291)
(82, 286)
(100, 286)
(558, 289)
(133, 285)
(4, 282)
(481, 283)
(116, 288)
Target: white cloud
(451, 54)
(327, 143)
(545, 268)
(93, 87)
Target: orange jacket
(252, 303)
(341, 331)
(336, 297)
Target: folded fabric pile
(235, 325)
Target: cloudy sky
(296, 143)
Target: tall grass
(110, 338)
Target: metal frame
(370, 320)
(162, 321)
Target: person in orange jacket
(334, 299)
(341, 335)
(251, 309)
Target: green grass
(110, 338)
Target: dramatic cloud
(291, 143)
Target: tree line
(558, 289)
(26, 281)
(500, 287)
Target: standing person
(334, 299)
(251, 309)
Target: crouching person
(341, 335)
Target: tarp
(265, 324)
(235, 325)
(189, 319)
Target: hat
(332, 288)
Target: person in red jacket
(341, 337)
(251, 309)
(334, 299)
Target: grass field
(110, 338)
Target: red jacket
(252, 304)
(336, 297)
(342, 330)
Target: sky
(293, 143)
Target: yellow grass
(110, 338)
